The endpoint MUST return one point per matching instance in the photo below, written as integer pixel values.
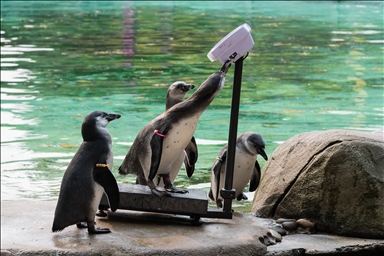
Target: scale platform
(140, 198)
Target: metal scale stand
(195, 203)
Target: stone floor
(26, 230)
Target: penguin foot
(172, 189)
(93, 230)
(157, 192)
(169, 187)
(99, 231)
(101, 213)
(160, 193)
(219, 203)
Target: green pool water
(314, 66)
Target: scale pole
(228, 193)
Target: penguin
(175, 94)
(246, 167)
(158, 147)
(87, 177)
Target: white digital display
(233, 46)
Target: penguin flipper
(255, 177)
(190, 158)
(217, 169)
(157, 149)
(105, 178)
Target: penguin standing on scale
(175, 94)
(159, 145)
(87, 177)
(246, 167)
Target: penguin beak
(111, 117)
(263, 154)
(226, 66)
(188, 87)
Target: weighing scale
(233, 47)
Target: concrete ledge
(26, 230)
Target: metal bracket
(230, 194)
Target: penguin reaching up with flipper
(160, 144)
(246, 167)
(87, 177)
(175, 94)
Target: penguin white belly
(243, 168)
(98, 193)
(110, 165)
(176, 141)
(175, 168)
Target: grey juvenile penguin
(175, 94)
(159, 145)
(88, 176)
(248, 146)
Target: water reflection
(314, 66)
(14, 76)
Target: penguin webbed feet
(160, 193)
(101, 213)
(155, 191)
(170, 188)
(99, 231)
(93, 230)
(219, 203)
(91, 227)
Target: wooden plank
(140, 198)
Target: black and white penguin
(175, 94)
(246, 167)
(87, 177)
(158, 147)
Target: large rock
(335, 178)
